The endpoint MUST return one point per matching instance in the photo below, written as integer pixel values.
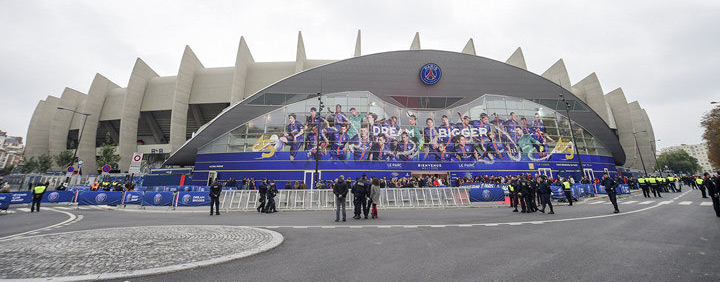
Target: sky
(663, 54)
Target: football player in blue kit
(360, 144)
(339, 143)
(446, 133)
(407, 150)
(380, 151)
(464, 151)
(294, 135)
(540, 134)
(431, 134)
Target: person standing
(644, 187)
(215, 190)
(359, 200)
(340, 189)
(545, 192)
(701, 185)
(611, 189)
(263, 195)
(375, 196)
(513, 186)
(568, 190)
(271, 193)
(38, 192)
(715, 192)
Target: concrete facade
(163, 111)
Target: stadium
(391, 114)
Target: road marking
(327, 227)
(598, 202)
(630, 202)
(664, 202)
(300, 227)
(384, 226)
(64, 208)
(685, 203)
(356, 227)
(437, 226)
(646, 202)
(515, 223)
(72, 218)
(410, 226)
(464, 225)
(491, 224)
(706, 204)
(23, 209)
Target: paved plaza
(665, 239)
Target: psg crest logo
(53, 196)
(100, 198)
(430, 73)
(486, 194)
(157, 199)
(186, 199)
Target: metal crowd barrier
(324, 199)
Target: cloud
(662, 54)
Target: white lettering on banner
(442, 132)
(198, 199)
(394, 165)
(429, 166)
(216, 166)
(467, 165)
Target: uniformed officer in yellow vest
(568, 190)
(514, 186)
(671, 184)
(38, 192)
(655, 186)
(644, 186)
(700, 184)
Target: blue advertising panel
(58, 197)
(5, 201)
(188, 199)
(21, 197)
(158, 199)
(494, 194)
(99, 198)
(132, 198)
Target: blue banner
(78, 188)
(21, 197)
(132, 198)
(494, 194)
(5, 201)
(158, 199)
(190, 199)
(58, 197)
(99, 198)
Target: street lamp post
(572, 132)
(654, 149)
(316, 154)
(77, 147)
(639, 152)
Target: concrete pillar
(625, 128)
(93, 105)
(558, 74)
(300, 56)
(517, 59)
(415, 45)
(644, 135)
(189, 65)
(595, 97)
(469, 48)
(243, 61)
(61, 121)
(139, 78)
(36, 141)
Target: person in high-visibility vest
(644, 186)
(568, 190)
(700, 184)
(514, 186)
(654, 186)
(38, 192)
(671, 183)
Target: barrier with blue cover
(78, 188)
(622, 189)
(58, 197)
(99, 198)
(133, 198)
(158, 199)
(485, 192)
(5, 201)
(21, 197)
(192, 199)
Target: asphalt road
(668, 239)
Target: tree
(44, 163)
(107, 153)
(711, 122)
(678, 162)
(64, 159)
(29, 165)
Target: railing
(324, 199)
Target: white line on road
(23, 209)
(685, 203)
(706, 204)
(598, 202)
(646, 203)
(72, 217)
(664, 202)
(630, 202)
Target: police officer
(611, 189)
(271, 193)
(545, 192)
(714, 184)
(523, 192)
(38, 192)
(701, 184)
(263, 194)
(654, 186)
(531, 192)
(215, 190)
(359, 199)
(513, 187)
(644, 187)
(568, 190)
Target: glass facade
(360, 126)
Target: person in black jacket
(611, 189)
(340, 189)
(713, 186)
(545, 192)
(263, 194)
(271, 192)
(215, 190)
(359, 198)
